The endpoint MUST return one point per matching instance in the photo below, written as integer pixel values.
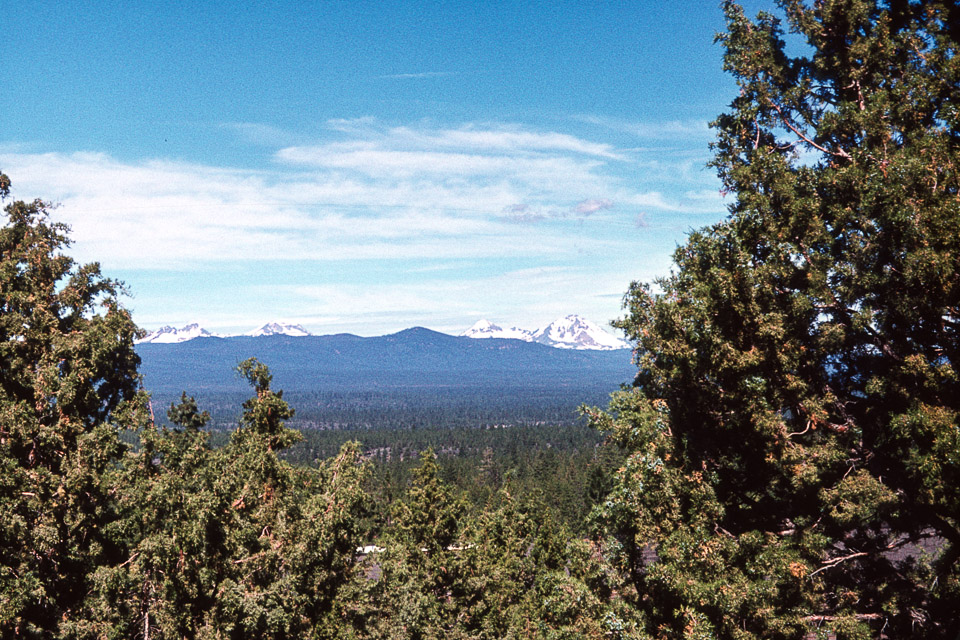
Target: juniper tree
(231, 542)
(68, 384)
(419, 574)
(794, 424)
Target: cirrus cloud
(372, 192)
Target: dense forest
(463, 407)
(785, 465)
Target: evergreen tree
(231, 542)
(68, 384)
(509, 571)
(527, 576)
(419, 571)
(290, 534)
(794, 427)
(170, 522)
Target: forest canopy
(177, 538)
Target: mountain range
(569, 332)
(412, 359)
(172, 335)
(416, 377)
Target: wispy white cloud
(665, 130)
(593, 205)
(372, 193)
(469, 151)
(472, 136)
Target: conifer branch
(786, 121)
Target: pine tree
(794, 426)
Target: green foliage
(442, 570)
(231, 542)
(795, 418)
(570, 466)
(68, 382)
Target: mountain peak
(481, 326)
(576, 332)
(279, 329)
(569, 332)
(486, 329)
(171, 335)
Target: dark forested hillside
(412, 358)
(413, 378)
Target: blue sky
(367, 166)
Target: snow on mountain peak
(279, 329)
(486, 329)
(483, 326)
(171, 335)
(569, 332)
(576, 332)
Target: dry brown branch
(858, 616)
(248, 558)
(828, 564)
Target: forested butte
(786, 463)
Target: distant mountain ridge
(569, 332)
(414, 358)
(172, 335)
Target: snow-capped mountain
(570, 332)
(574, 332)
(279, 329)
(486, 329)
(171, 335)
